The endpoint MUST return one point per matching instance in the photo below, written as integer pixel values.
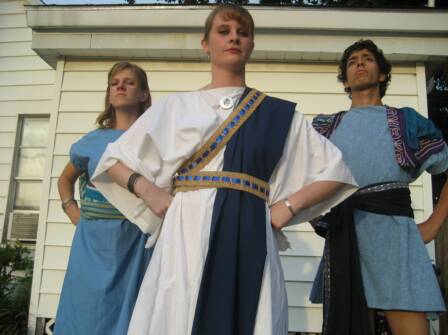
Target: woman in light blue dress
(108, 256)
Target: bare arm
(430, 227)
(308, 196)
(154, 197)
(66, 188)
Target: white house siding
(313, 87)
(26, 88)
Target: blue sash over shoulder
(190, 177)
(415, 138)
(232, 276)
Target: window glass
(30, 163)
(28, 195)
(34, 132)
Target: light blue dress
(397, 273)
(107, 261)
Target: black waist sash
(345, 307)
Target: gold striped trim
(199, 154)
(99, 210)
(97, 204)
(89, 215)
(247, 182)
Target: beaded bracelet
(66, 202)
(132, 181)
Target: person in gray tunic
(386, 148)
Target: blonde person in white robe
(136, 175)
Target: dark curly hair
(382, 62)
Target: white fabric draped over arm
(154, 146)
(309, 157)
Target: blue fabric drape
(231, 282)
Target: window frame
(14, 179)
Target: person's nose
(121, 86)
(234, 37)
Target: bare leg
(407, 323)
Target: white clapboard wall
(313, 86)
(26, 88)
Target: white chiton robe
(155, 146)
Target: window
(27, 178)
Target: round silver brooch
(226, 102)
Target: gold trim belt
(190, 178)
(224, 133)
(212, 179)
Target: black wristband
(131, 182)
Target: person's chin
(361, 86)
(237, 61)
(122, 105)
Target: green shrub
(16, 266)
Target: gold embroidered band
(212, 179)
(190, 178)
(224, 133)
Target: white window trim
(13, 178)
